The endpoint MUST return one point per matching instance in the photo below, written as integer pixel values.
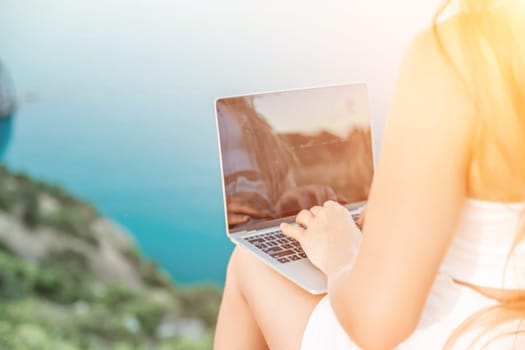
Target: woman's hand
(325, 236)
(297, 198)
(361, 221)
(242, 206)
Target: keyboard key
(282, 248)
(275, 249)
(282, 253)
(254, 240)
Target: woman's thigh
(280, 307)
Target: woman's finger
(289, 202)
(331, 204)
(316, 210)
(304, 217)
(248, 203)
(236, 219)
(331, 194)
(362, 216)
(292, 231)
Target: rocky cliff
(72, 279)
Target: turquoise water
(141, 168)
(5, 134)
(116, 99)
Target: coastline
(77, 280)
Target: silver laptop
(285, 151)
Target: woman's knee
(233, 262)
(243, 265)
(237, 260)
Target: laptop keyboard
(280, 247)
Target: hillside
(72, 279)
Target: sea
(116, 99)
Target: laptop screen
(285, 151)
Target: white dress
(477, 255)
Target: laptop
(284, 151)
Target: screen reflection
(282, 152)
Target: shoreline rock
(7, 94)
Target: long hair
(274, 166)
(493, 69)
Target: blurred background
(112, 232)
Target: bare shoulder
(439, 47)
(442, 47)
(431, 82)
(445, 33)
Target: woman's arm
(414, 205)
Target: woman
(259, 184)
(441, 262)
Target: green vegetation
(200, 302)
(53, 295)
(148, 270)
(20, 195)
